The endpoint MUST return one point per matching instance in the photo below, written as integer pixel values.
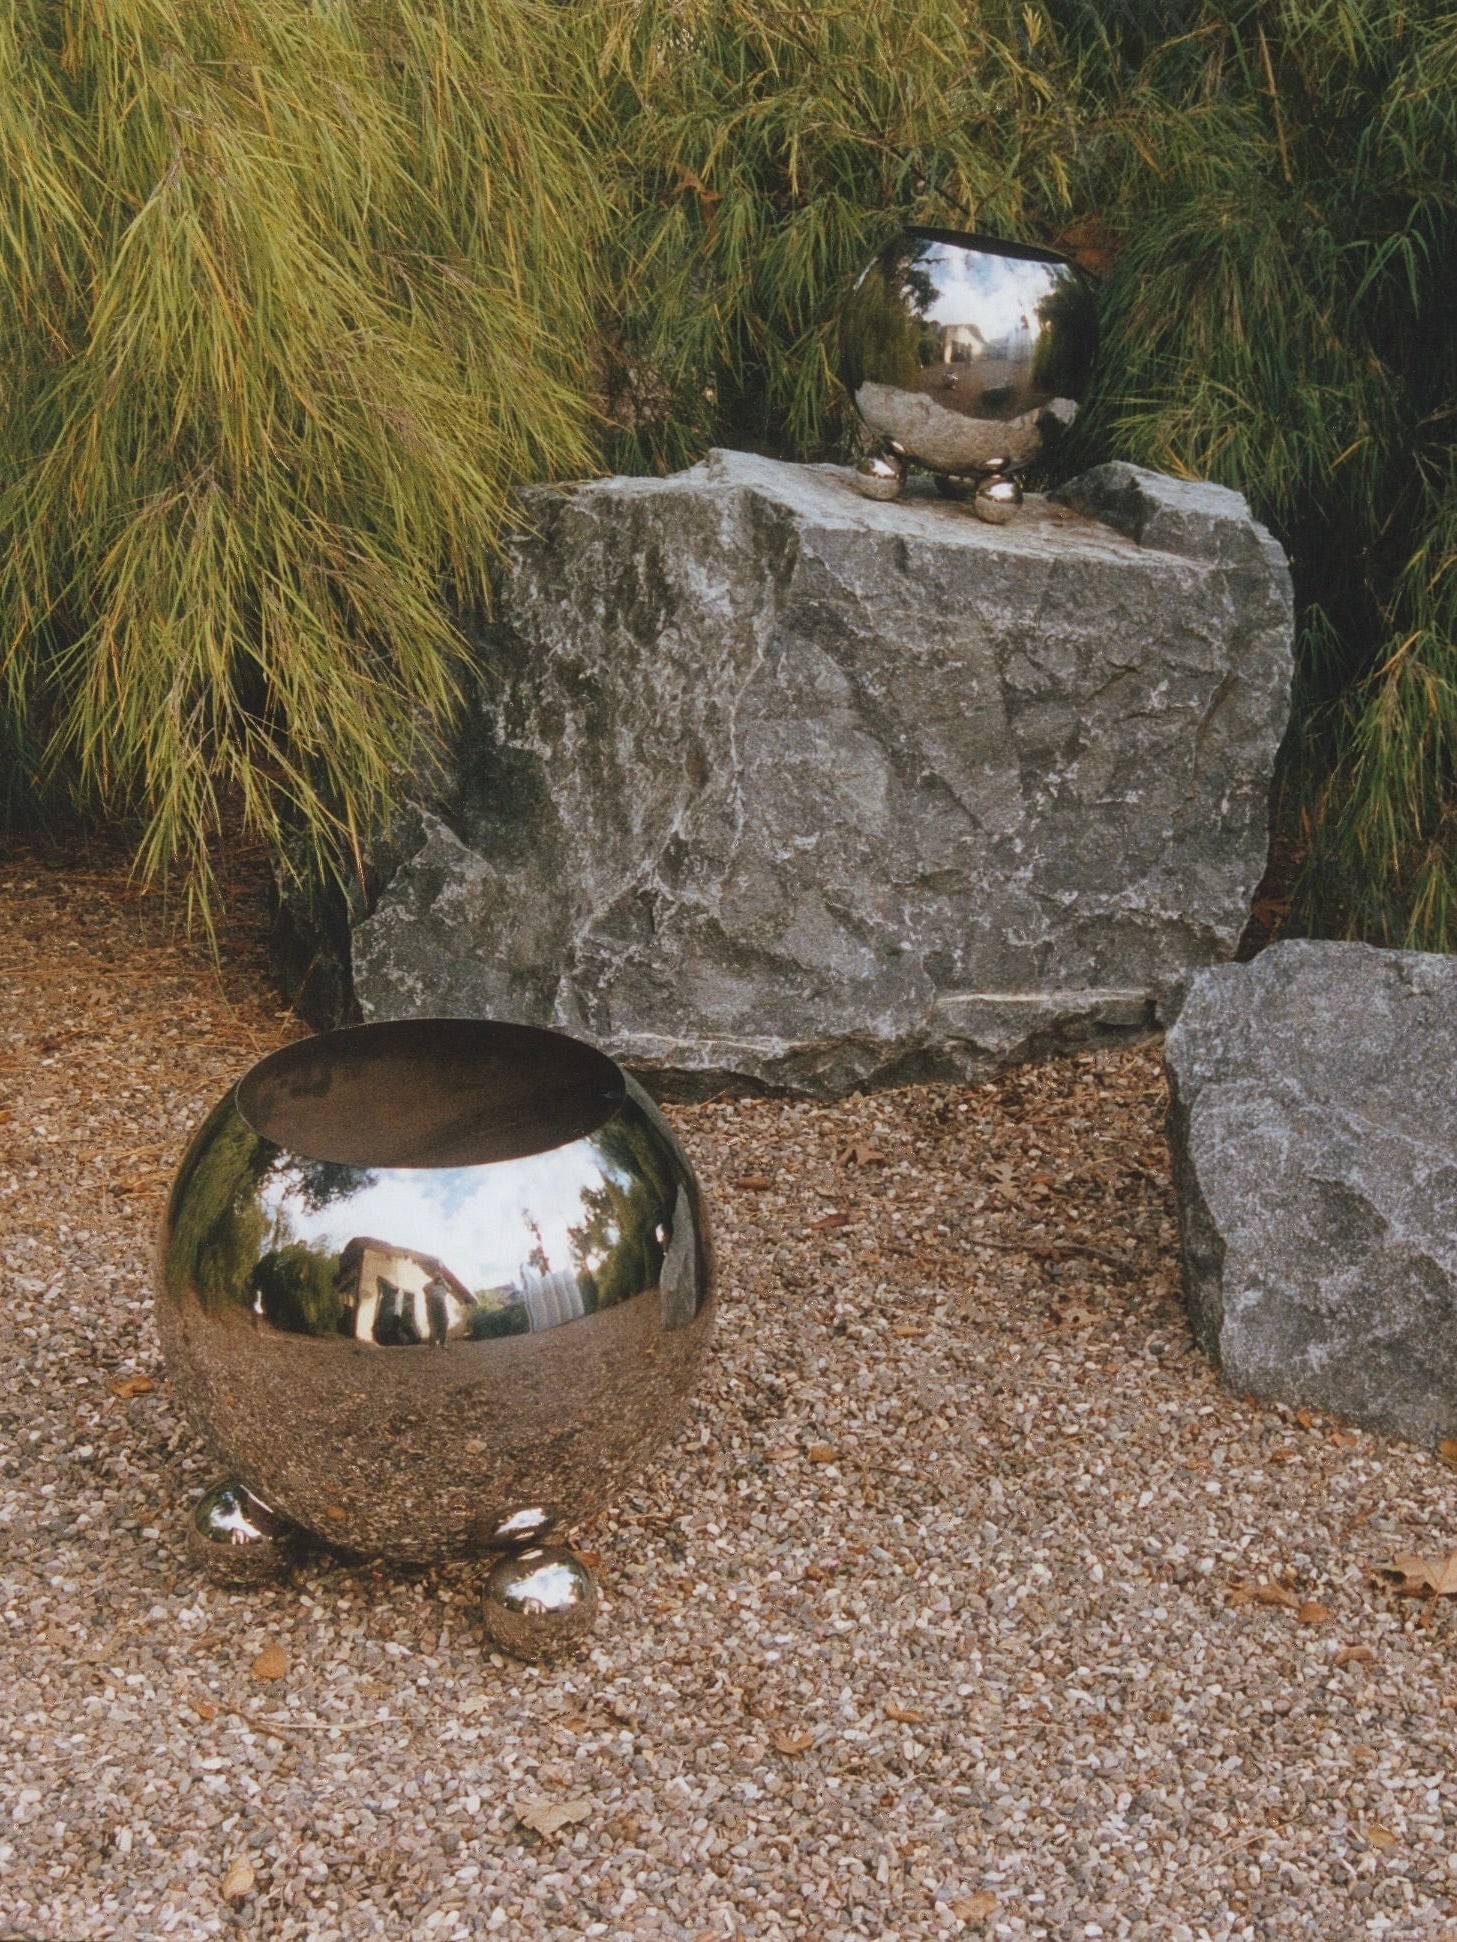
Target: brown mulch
(964, 1601)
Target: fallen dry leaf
(906, 1713)
(128, 1386)
(1381, 1837)
(822, 1453)
(336, 1513)
(1355, 1655)
(1447, 1452)
(832, 1219)
(1264, 1593)
(783, 1453)
(1345, 1439)
(754, 1183)
(547, 1817)
(1419, 1577)
(271, 1663)
(238, 1881)
(204, 1708)
(975, 1908)
(859, 1154)
(1305, 1418)
(1312, 1613)
(793, 1743)
(910, 1332)
(1283, 1456)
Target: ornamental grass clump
(295, 294)
(1283, 180)
(764, 151)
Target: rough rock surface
(1313, 1121)
(769, 783)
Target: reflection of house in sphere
(960, 343)
(395, 1294)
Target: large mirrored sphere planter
(966, 356)
(431, 1288)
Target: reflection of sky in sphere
(998, 294)
(471, 1218)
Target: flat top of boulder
(1118, 511)
(1192, 517)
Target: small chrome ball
(236, 1539)
(879, 475)
(997, 500)
(522, 1528)
(539, 1602)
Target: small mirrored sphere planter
(433, 1287)
(966, 356)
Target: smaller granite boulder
(1313, 1121)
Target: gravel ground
(937, 1617)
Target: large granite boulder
(1313, 1120)
(770, 784)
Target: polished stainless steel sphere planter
(966, 356)
(429, 1288)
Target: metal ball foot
(997, 500)
(539, 1602)
(879, 475)
(236, 1540)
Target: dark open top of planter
(430, 1092)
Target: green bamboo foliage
(764, 148)
(1273, 187)
(297, 291)
(295, 294)
(1285, 179)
